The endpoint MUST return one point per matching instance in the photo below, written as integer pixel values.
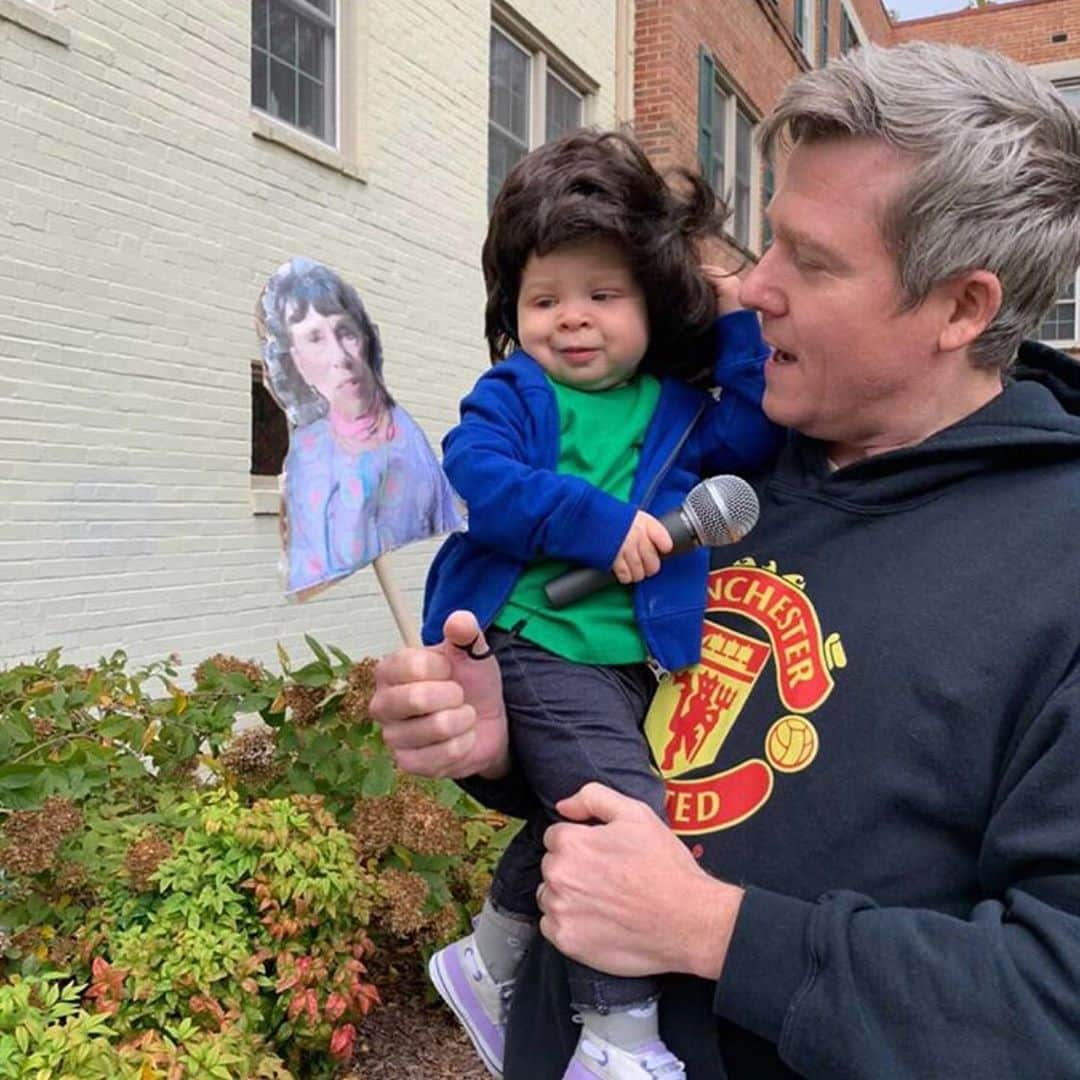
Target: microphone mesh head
(722, 510)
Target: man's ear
(975, 297)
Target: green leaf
(317, 649)
(380, 777)
(313, 675)
(283, 658)
(342, 656)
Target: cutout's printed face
(328, 351)
(360, 478)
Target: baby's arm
(515, 507)
(736, 434)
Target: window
(529, 103)
(1070, 91)
(293, 47)
(744, 149)
(802, 23)
(823, 33)
(768, 187)
(269, 429)
(849, 36)
(726, 148)
(1059, 325)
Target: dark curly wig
(600, 184)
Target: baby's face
(582, 316)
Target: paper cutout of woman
(360, 477)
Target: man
(880, 867)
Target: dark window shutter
(706, 79)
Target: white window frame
(544, 59)
(733, 104)
(1064, 73)
(331, 93)
(848, 12)
(347, 152)
(1068, 343)
(807, 34)
(37, 16)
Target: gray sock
(628, 1027)
(502, 940)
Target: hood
(1035, 420)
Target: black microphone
(718, 511)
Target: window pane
(258, 78)
(1060, 321)
(800, 21)
(269, 431)
(1071, 94)
(509, 86)
(311, 49)
(324, 6)
(504, 152)
(743, 129)
(282, 91)
(259, 23)
(310, 111)
(719, 141)
(848, 38)
(282, 32)
(563, 108)
(768, 187)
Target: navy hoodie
(882, 744)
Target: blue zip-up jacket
(502, 458)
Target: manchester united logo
(695, 709)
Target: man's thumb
(462, 629)
(595, 802)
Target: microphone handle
(576, 584)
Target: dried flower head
(143, 858)
(225, 664)
(410, 817)
(33, 836)
(404, 895)
(252, 756)
(444, 926)
(304, 703)
(361, 685)
(43, 727)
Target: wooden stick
(406, 626)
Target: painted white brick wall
(139, 218)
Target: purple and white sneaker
(477, 1000)
(597, 1057)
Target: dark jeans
(569, 724)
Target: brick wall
(138, 219)
(752, 41)
(1022, 30)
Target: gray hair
(996, 180)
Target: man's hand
(441, 711)
(626, 896)
(645, 543)
(725, 285)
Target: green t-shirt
(600, 438)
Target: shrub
(216, 891)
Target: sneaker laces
(506, 992)
(661, 1063)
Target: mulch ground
(411, 1036)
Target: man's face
(328, 351)
(848, 367)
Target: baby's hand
(726, 286)
(639, 556)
